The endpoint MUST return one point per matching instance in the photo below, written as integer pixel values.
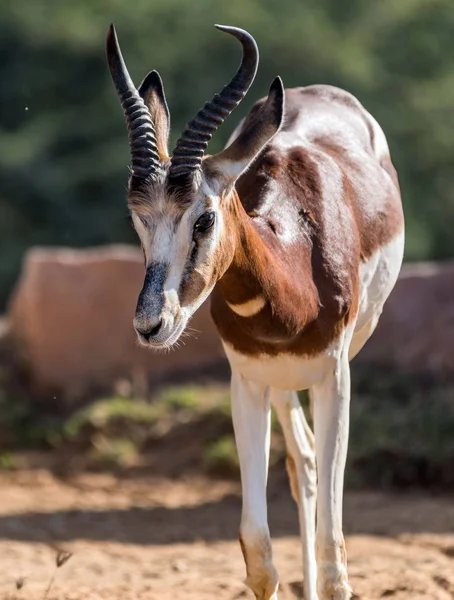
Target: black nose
(149, 333)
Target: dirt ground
(163, 539)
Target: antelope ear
(152, 92)
(258, 129)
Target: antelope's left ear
(152, 92)
(258, 129)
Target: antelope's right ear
(152, 92)
(258, 129)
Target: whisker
(193, 329)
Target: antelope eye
(204, 222)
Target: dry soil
(164, 539)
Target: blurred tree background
(63, 146)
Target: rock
(416, 330)
(70, 322)
(70, 318)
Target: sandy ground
(145, 538)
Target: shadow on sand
(365, 513)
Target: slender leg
(303, 477)
(331, 422)
(251, 421)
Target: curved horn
(188, 153)
(141, 132)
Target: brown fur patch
(346, 209)
(192, 286)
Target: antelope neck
(261, 273)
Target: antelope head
(183, 206)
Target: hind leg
(361, 336)
(303, 478)
(331, 422)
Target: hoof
(332, 582)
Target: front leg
(251, 421)
(331, 422)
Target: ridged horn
(190, 148)
(141, 132)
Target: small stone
(178, 566)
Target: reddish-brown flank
(316, 202)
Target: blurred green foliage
(400, 433)
(63, 147)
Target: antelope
(296, 230)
